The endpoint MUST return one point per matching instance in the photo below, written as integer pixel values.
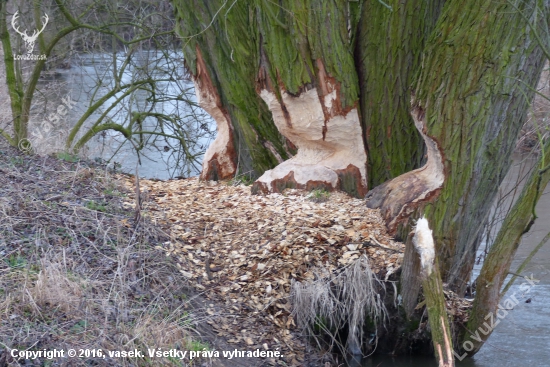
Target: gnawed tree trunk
(330, 154)
(391, 37)
(245, 76)
(220, 160)
(400, 197)
(474, 107)
(334, 80)
(221, 49)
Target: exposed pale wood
(329, 142)
(433, 293)
(400, 197)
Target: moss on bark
(475, 107)
(289, 45)
(228, 37)
(391, 38)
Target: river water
(89, 78)
(522, 337)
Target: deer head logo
(29, 40)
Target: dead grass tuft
(53, 288)
(80, 275)
(334, 301)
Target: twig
(137, 214)
(208, 271)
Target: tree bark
(15, 89)
(221, 48)
(267, 111)
(390, 40)
(497, 263)
(475, 106)
(433, 293)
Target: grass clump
(319, 195)
(68, 157)
(97, 206)
(241, 179)
(78, 270)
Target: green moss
(389, 48)
(474, 109)
(285, 40)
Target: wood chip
(243, 250)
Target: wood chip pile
(241, 251)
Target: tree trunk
(337, 82)
(15, 88)
(474, 108)
(265, 110)
(221, 48)
(433, 292)
(391, 37)
(497, 263)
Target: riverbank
(77, 271)
(201, 266)
(244, 251)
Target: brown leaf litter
(242, 251)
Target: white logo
(29, 40)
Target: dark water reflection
(402, 361)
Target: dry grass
(77, 272)
(337, 300)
